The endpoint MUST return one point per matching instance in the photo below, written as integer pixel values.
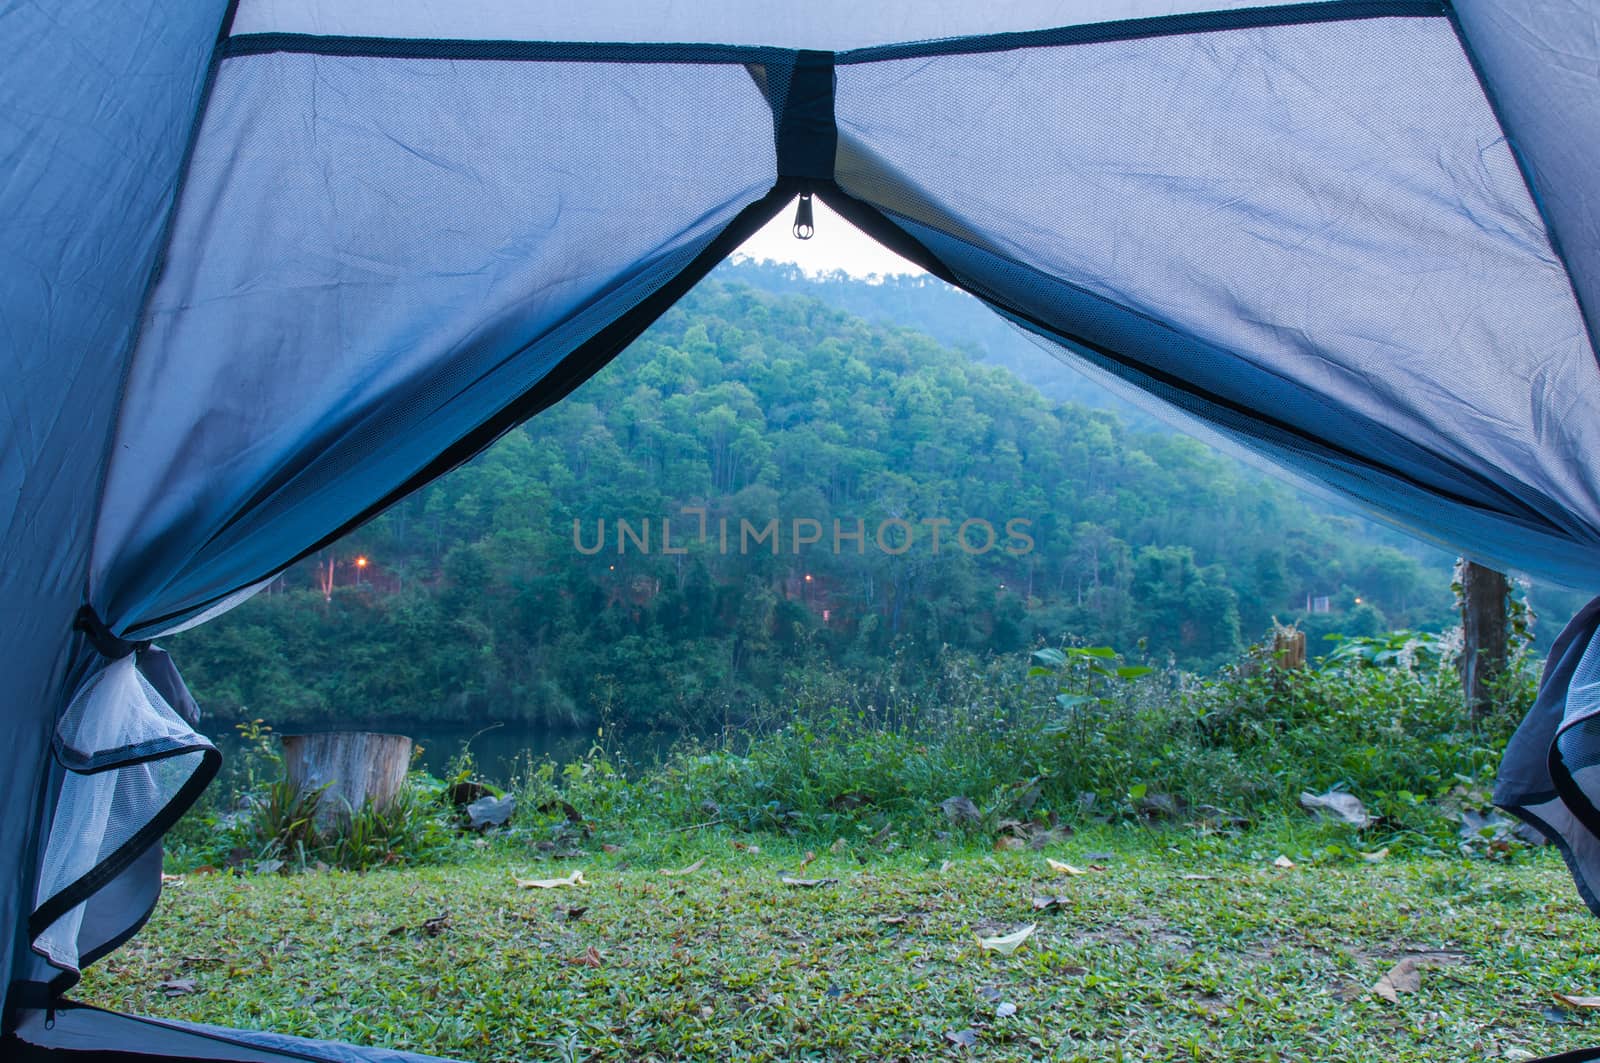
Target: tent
(266, 266)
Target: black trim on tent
(128, 756)
(1133, 29)
(248, 44)
(102, 638)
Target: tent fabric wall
(1358, 237)
(97, 104)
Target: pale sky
(836, 245)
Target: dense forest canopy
(765, 483)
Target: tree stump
(1485, 634)
(356, 767)
(1288, 648)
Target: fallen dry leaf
(590, 958)
(1283, 861)
(1065, 869)
(1403, 977)
(1336, 804)
(1006, 944)
(1199, 878)
(893, 920)
(574, 879)
(1044, 904)
(1373, 858)
(805, 861)
(682, 871)
(1009, 842)
(965, 1038)
(607, 847)
(1580, 1003)
(1005, 1010)
(178, 987)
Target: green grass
(1250, 962)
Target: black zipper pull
(804, 227)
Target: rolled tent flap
(132, 766)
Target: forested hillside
(617, 557)
(951, 317)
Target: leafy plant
(1398, 649)
(1089, 679)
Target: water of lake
(501, 750)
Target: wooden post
(355, 766)
(1484, 634)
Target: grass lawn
(1180, 948)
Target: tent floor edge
(82, 1033)
(1576, 1055)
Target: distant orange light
(808, 577)
(1358, 601)
(361, 562)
